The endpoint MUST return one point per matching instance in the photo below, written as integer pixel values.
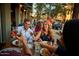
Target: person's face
(26, 24)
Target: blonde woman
(44, 32)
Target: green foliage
(39, 8)
(59, 8)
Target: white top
(25, 33)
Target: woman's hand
(37, 35)
(54, 47)
(25, 49)
(22, 39)
(43, 44)
(39, 40)
(49, 47)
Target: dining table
(36, 47)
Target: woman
(44, 32)
(47, 32)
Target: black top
(45, 37)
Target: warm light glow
(20, 5)
(24, 10)
(66, 7)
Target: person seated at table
(55, 45)
(25, 31)
(16, 51)
(70, 38)
(37, 31)
(44, 32)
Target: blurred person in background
(50, 21)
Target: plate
(41, 51)
(44, 52)
(15, 42)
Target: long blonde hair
(50, 30)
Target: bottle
(37, 48)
